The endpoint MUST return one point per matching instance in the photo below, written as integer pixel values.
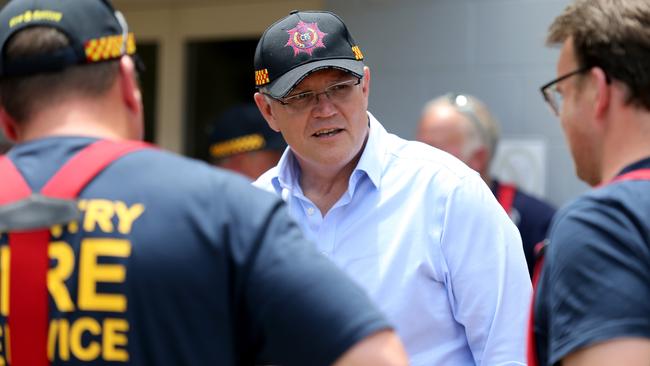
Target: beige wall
(172, 24)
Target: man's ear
(267, 112)
(602, 98)
(131, 98)
(128, 83)
(8, 124)
(366, 81)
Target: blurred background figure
(463, 126)
(242, 141)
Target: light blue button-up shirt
(423, 234)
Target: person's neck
(627, 144)
(324, 187)
(78, 117)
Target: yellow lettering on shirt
(98, 213)
(114, 336)
(97, 271)
(92, 272)
(59, 331)
(92, 350)
(4, 280)
(127, 215)
(57, 230)
(88, 339)
(56, 276)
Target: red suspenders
(506, 196)
(531, 348)
(29, 262)
(531, 352)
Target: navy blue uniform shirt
(595, 284)
(174, 262)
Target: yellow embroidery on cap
(35, 16)
(238, 145)
(107, 48)
(261, 77)
(357, 53)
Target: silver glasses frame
(312, 95)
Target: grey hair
(483, 128)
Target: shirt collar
(639, 164)
(373, 156)
(288, 172)
(370, 163)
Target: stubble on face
(576, 118)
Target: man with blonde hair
(592, 303)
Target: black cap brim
(283, 85)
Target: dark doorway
(219, 75)
(148, 53)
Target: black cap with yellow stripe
(96, 31)
(301, 43)
(241, 129)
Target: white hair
(482, 129)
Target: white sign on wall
(522, 162)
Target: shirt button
(310, 211)
(325, 254)
(285, 194)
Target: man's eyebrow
(335, 80)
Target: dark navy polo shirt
(174, 262)
(595, 284)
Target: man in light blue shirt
(419, 230)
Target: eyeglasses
(552, 96)
(337, 92)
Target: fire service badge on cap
(305, 37)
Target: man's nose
(324, 106)
(325, 95)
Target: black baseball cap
(301, 43)
(242, 128)
(96, 31)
